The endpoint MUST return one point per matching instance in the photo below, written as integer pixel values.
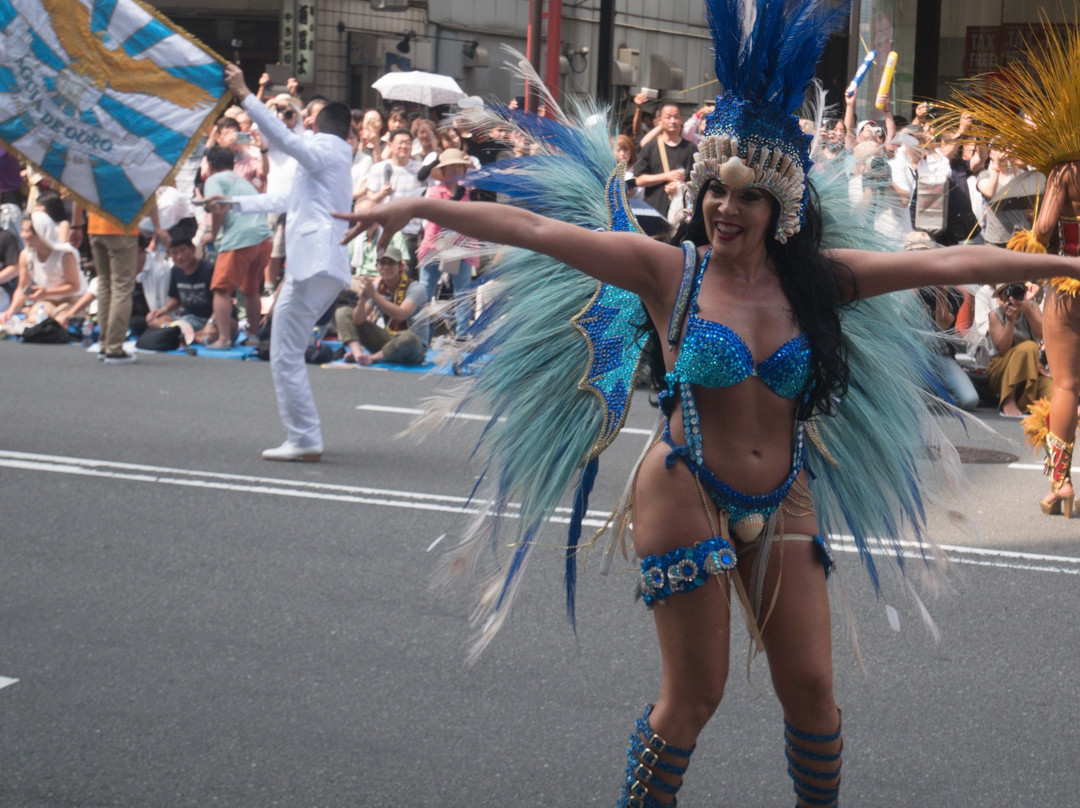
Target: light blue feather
(891, 460)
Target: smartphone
(650, 93)
(244, 137)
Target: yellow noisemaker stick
(886, 80)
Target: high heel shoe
(1058, 468)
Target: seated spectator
(190, 298)
(399, 303)
(52, 204)
(9, 266)
(943, 303)
(49, 277)
(1016, 370)
(243, 242)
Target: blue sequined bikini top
(713, 355)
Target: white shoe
(290, 451)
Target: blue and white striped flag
(105, 96)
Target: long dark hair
(816, 288)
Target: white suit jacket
(323, 183)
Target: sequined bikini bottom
(747, 514)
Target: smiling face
(390, 272)
(401, 148)
(737, 217)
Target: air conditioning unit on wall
(628, 59)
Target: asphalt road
(189, 625)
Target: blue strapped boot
(815, 772)
(643, 756)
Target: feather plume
(767, 50)
(1036, 424)
(537, 444)
(888, 462)
(1030, 107)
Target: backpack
(160, 339)
(47, 332)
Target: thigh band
(683, 569)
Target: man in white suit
(318, 263)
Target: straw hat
(450, 157)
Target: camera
(1017, 291)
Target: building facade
(337, 48)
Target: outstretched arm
(627, 260)
(878, 273)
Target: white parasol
(429, 89)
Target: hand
(234, 80)
(640, 100)
(367, 287)
(392, 216)
(217, 204)
(965, 122)
(513, 104)
(36, 293)
(677, 175)
(264, 79)
(1011, 309)
(292, 86)
(162, 238)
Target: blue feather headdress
(766, 53)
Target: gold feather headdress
(1030, 108)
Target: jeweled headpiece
(766, 53)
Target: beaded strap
(684, 569)
(682, 301)
(804, 779)
(643, 757)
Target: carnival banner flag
(106, 97)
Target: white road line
(164, 475)
(1027, 466)
(467, 416)
(5, 681)
(415, 500)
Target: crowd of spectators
(214, 276)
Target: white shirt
(323, 184)
(403, 182)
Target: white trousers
(299, 306)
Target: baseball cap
(391, 253)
